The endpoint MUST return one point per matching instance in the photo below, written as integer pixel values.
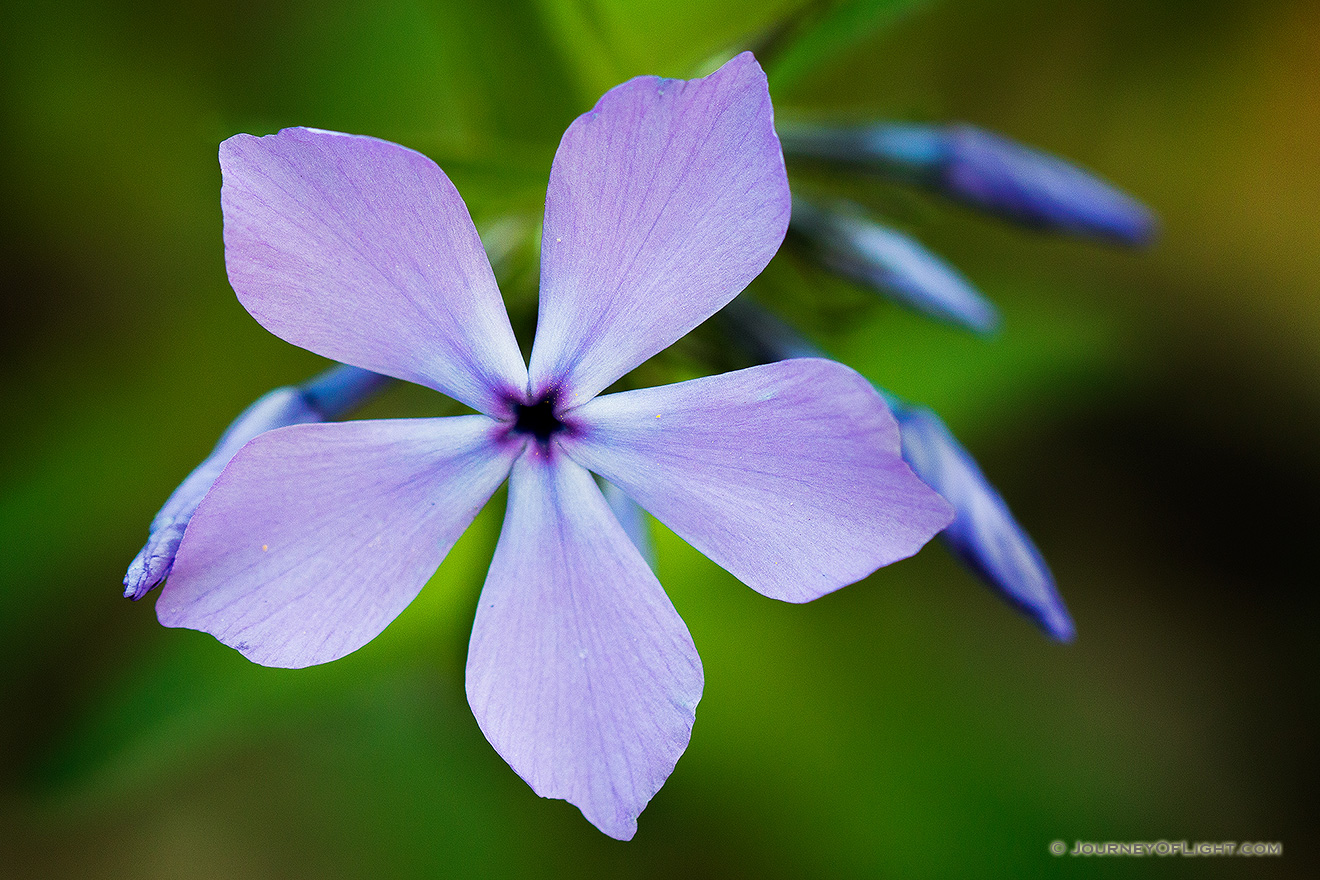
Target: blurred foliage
(1150, 416)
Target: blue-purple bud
(892, 263)
(633, 519)
(1037, 189)
(986, 171)
(340, 389)
(907, 152)
(984, 535)
(325, 396)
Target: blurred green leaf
(609, 41)
(823, 31)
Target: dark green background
(1151, 416)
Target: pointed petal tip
(620, 826)
(136, 588)
(1002, 555)
(1062, 630)
(984, 320)
(1028, 586)
(620, 829)
(1053, 618)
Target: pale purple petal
(315, 537)
(580, 672)
(664, 202)
(362, 250)
(788, 475)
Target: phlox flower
(663, 203)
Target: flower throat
(537, 419)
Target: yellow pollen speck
(265, 547)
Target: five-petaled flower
(663, 203)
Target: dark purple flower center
(537, 419)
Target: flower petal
(788, 474)
(580, 672)
(316, 536)
(362, 250)
(664, 202)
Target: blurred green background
(1150, 416)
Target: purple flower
(664, 201)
